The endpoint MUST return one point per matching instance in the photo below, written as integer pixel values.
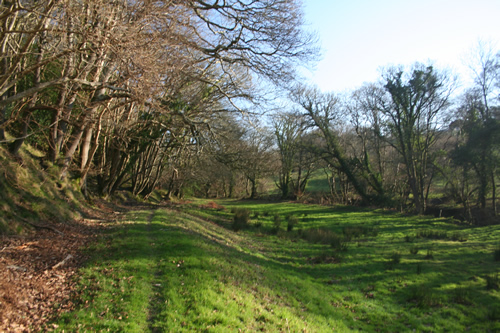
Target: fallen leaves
(36, 276)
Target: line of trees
(148, 94)
(404, 140)
(125, 92)
(408, 141)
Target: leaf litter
(37, 274)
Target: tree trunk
(85, 148)
(60, 123)
(76, 138)
(95, 144)
(253, 194)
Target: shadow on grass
(204, 273)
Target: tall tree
(257, 158)
(288, 128)
(323, 112)
(418, 98)
(477, 150)
(481, 120)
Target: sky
(359, 37)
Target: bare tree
(287, 132)
(324, 112)
(112, 81)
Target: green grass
(318, 182)
(186, 270)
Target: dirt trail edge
(36, 271)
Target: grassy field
(184, 269)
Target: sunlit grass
(186, 270)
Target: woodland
(204, 98)
(128, 129)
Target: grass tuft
(394, 259)
(423, 297)
(326, 258)
(458, 237)
(318, 235)
(493, 314)
(351, 232)
(292, 222)
(492, 282)
(339, 243)
(414, 250)
(429, 255)
(461, 295)
(432, 234)
(496, 253)
(276, 222)
(419, 268)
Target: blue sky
(360, 36)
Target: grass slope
(185, 270)
(34, 195)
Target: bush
(241, 218)
(292, 222)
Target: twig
(68, 257)
(17, 268)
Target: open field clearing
(184, 269)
